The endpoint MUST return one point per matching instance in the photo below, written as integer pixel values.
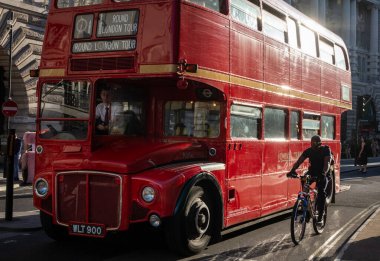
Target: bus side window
(310, 125)
(295, 133)
(308, 43)
(216, 5)
(328, 127)
(246, 12)
(274, 24)
(340, 58)
(245, 122)
(274, 123)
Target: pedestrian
(363, 155)
(16, 157)
(348, 150)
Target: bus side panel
(295, 69)
(197, 45)
(158, 34)
(246, 52)
(276, 63)
(295, 151)
(311, 82)
(57, 44)
(244, 160)
(275, 166)
(329, 85)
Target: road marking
(333, 240)
(3, 188)
(352, 239)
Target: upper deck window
(340, 57)
(292, 33)
(246, 12)
(64, 110)
(326, 51)
(192, 119)
(274, 24)
(216, 5)
(76, 3)
(308, 43)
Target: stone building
(29, 18)
(356, 21)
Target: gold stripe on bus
(210, 75)
(233, 79)
(52, 72)
(158, 68)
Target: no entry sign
(9, 108)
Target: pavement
(362, 245)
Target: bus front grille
(106, 63)
(88, 198)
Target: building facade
(356, 21)
(27, 28)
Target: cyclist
(320, 159)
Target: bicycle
(305, 208)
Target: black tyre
(298, 222)
(318, 228)
(330, 188)
(190, 231)
(55, 232)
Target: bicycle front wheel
(319, 227)
(298, 222)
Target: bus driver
(106, 112)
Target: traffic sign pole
(9, 109)
(10, 169)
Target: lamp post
(11, 134)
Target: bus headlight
(41, 187)
(148, 194)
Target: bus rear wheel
(190, 231)
(55, 232)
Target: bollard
(9, 169)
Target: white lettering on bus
(82, 47)
(111, 29)
(103, 46)
(130, 28)
(128, 45)
(120, 18)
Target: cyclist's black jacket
(316, 158)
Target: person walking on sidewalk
(17, 155)
(363, 155)
(320, 158)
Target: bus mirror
(34, 73)
(191, 68)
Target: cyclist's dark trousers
(321, 200)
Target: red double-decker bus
(208, 104)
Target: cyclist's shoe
(320, 220)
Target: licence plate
(89, 230)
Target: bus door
(244, 159)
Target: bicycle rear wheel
(298, 222)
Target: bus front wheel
(55, 232)
(190, 231)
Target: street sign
(9, 108)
